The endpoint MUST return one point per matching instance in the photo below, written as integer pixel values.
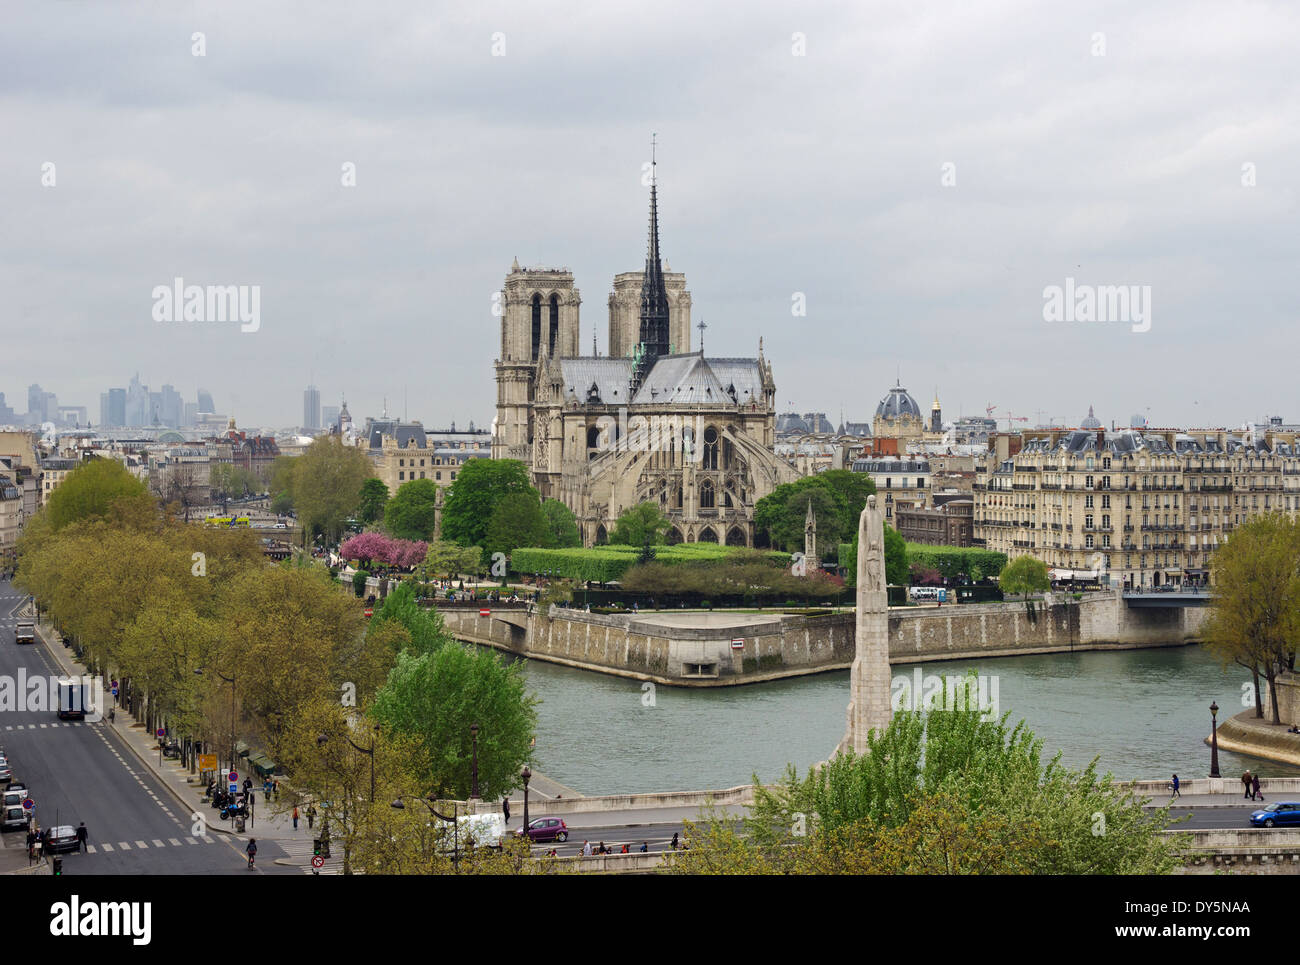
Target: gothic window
(555, 322)
(593, 438)
(710, 448)
(677, 498)
(706, 494)
(537, 326)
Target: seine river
(1144, 713)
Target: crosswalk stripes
(106, 847)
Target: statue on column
(869, 704)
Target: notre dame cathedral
(652, 421)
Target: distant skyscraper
(311, 409)
(7, 414)
(190, 415)
(112, 408)
(138, 412)
(205, 401)
(329, 415)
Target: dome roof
(898, 403)
(1091, 422)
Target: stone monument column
(869, 704)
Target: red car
(546, 829)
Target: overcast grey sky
(1106, 142)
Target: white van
(484, 830)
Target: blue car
(1280, 814)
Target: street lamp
(527, 776)
(1214, 739)
(455, 826)
(473, 792)
(323, 739)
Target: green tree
(1254, 619)
(779, 516)
(412, 512)
(425, 629)
(327, 481)
(279, 481)
(451, 559)
(943, 792)
(374, 497)
(642, 525)
(92, 489)
(561, 525)
(896, 567)
(480, 484)
(516, 521)
(436, 697)
(1024, 575)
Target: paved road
(84, 772)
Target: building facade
(1139, 508)
(651, 422)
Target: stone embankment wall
(751, 651)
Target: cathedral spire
(654, 293)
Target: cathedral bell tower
(539, 318)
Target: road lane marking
(189, 840)
(90, 849)
(158, 844)
(108, 847)
(141, 845)
(174, 843)
(123, 846)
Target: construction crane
(1013, 418)
(989, 410)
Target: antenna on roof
(702, 326)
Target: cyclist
(252, 851)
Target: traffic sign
(234, 788)
(317, 861)
(370, 611)
(737, 643)
(485, 612)
(207, 762)
(28, 804)
(233, 776)
(162, 732)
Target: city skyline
(916, 239)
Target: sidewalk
(265, 823)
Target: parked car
(6, 773)
(62, 838)
(1278, 814)
(546, 829)
(13, 816)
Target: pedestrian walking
(1254, 788)
(295, 818)
(248, 785)
(266, 789)
(82, 834)
(311, 816)
(505, 808)
(674, 844)
(1245, 783)
(586, 849)
(1174, 785)
(644, 847)
(275, 789)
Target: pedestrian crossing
(53, 723)
(109, 847)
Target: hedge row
(950, 561)
(601, 564)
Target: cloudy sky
(920, 172)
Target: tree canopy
(561, 525)
(92, 490)
(480, 484)
(641, 525)
(517, 520)
(412, 512)
(374, 497)
(327, 481)
(837, 498)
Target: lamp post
(527, 776)
(473, 792)
(323, 739)
(1214, 739)
(455, 826)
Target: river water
(1144, 713)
